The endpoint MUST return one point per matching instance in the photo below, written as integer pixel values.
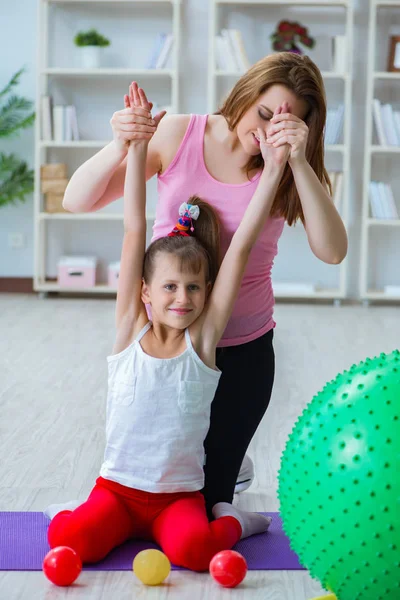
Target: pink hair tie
(187, 213)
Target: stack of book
(381, 199)
(336, 178)
(334, 125)
(58, 122)
(161, 51)
(53, 183)
(387, 123)
(230, 51)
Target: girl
(163, 377)
(218, 157)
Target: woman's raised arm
(100, 180)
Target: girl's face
(260, 113)
(177, 298)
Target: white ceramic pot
(91, 56)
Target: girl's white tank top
(158, 415)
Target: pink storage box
(77, 271)
(113, 274)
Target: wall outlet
(16, 240)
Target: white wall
(18, 41)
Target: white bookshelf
(59, 74)
(110, 72)
(380, 250)
(231, 14)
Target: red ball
(228, 568)
(62, 565)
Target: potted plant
(91, 44)
(288, 35)
(16, 179)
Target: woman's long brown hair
(300, 75)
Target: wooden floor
(52, 401)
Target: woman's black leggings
(241, 399)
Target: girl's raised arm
(129, 304)
(230, 275)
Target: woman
(218, 158)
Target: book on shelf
(334, 125)
(165, 52)
(339, 55)
(72, 122)
(387, 123)
(391, 201)
(230, 51)
(59, 122)
(239, 50)
(155, 53)
(221, 54)
(161, 51)
(396, 117)
(46, 106)
(382, 202)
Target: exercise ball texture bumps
(339, 483)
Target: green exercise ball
(339, 482)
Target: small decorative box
(77, 271)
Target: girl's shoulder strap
(188, 339)
(143, 331)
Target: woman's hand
(273, 155)
(288, 134)
(134, 122)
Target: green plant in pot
(16, 179)
(91, 44)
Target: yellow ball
(151, 567)
(328, 597)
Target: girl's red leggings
(114, 513)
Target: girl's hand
(273, 155)
(134, 122)
(286, 131)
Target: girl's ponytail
(198, 247)
(207, 232)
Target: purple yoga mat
(23, 545)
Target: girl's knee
(64, 532)
(193, 552)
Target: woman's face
(260, 113)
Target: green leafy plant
(91, 38)
(16, 179)
(288, 35)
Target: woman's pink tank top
(187, 175)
